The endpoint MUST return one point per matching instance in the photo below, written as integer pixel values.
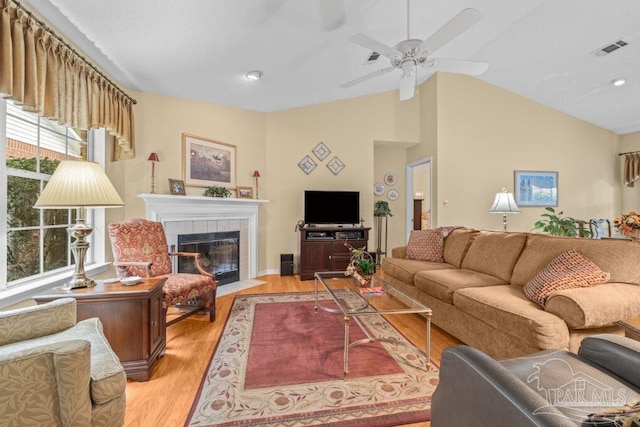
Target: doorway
(419, 195)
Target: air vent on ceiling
(611, 47)
(372, 58)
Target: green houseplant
(555, 224)
(361, 266)
(216, 191)
(381, 208)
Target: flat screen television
(331, 207)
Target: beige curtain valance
(43, 74)
(631, 168)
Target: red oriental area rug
(278, 363)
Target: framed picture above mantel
(206, 162)
(536, 188)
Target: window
(34, 241)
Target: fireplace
(219, 254)
(198, 214)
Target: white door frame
(410, 193)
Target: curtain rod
(68, 46)
(628, 152)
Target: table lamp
(256, 175)
(79, 184)
(153, 158)
(504, 204)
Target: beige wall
(160, 122)
(349, 129)
(390, 160)
(476, 134)
(485, 133)
(630, 195)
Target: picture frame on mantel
(176, 186)
(245, 192)
(206, 162)
(536, 188)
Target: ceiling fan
(409, 54)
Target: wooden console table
(131, 316)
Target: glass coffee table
(386, 299)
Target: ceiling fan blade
(452, 29)
(473, 68)
(332, 13)
(408, 85)
(367, 77)
(375, 46)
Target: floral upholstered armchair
(56, 372)
(140, 249)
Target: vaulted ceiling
(201, 49)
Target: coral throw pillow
(569, 270)
(426, 245)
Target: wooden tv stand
(323, 249)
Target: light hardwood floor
(165, 400)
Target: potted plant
(381, 208)
(556, 225)
(628, 224)
(216, 191)
(361, 266)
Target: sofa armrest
(399, 252)
(47, 384)
(37, 321)
(616, 354)
(472, 385)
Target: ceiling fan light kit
(411, 53)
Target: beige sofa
(477, 293)
(57, 372)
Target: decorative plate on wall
(378, 189)
(321, 151)
(307, 164)
(393, 194)
(390, 179)
(335, 165)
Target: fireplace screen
(219, 254)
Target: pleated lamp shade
(77, 183)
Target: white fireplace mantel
(168, 208)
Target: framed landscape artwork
(534, 188)
(206, 162)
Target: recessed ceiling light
(254, 75)
(618, 82)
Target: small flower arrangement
(361, 266)
(627, 223)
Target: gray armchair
(549, 388)
(56, 372)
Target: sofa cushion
(456, 245)
(567, 271)
(595, 307)
(442, 284)
(405, 269)
(616, 256)
(507, 309)
(426, 245)
(494, 253)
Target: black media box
(286, 264)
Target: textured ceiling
(201, 49)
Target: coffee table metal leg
(347, 320)
(428, 352)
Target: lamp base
(79, 231)
(79, 282)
